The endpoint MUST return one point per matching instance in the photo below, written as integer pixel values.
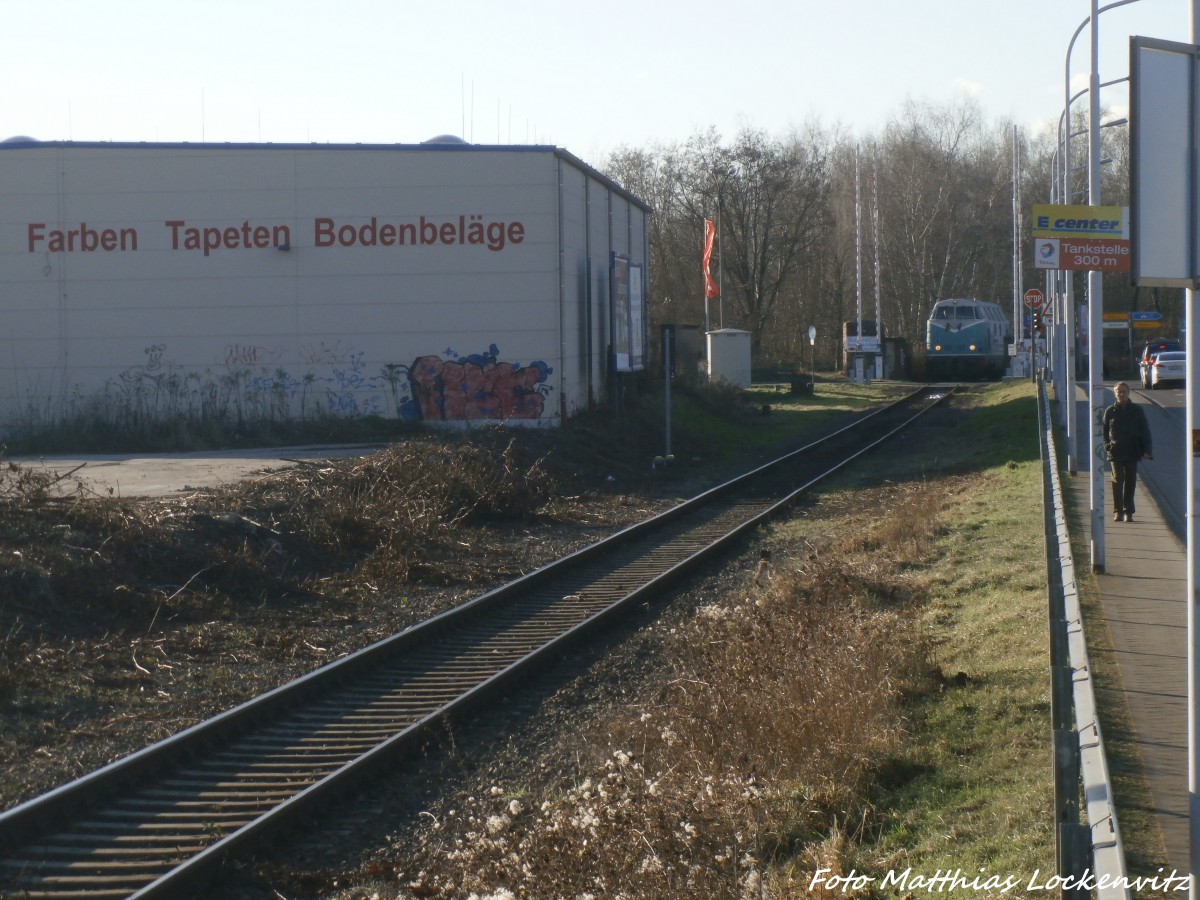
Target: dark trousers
(1124, 481)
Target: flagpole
(857, 356)
(710, 289)
(720, 263)
(707, 327)
(878, 280)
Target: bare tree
(945, 191)
(676, 287)
(772, 201)
(787, 245)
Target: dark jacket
(1126, 432)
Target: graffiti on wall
(250, 355)
(243, 387)
(479, 386)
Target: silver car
(1168, 367)
(1150, 350)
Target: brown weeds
(235, 590)
(751, 766)
(388, 516)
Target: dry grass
(747, 770)
(383, 516)
(123, 621)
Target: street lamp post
(722, 177)
(1096, 307)
(1066, 195)
(1095, 289)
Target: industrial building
(441, 281)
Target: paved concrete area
(1143, 592)
(162, 474)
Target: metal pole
(720, 257)
(1095, 309)
(1032, 345)
(878, 278)
(1068, 277)
(1191, 454)
(667, 339)
(1192, 345)
(857, 355)
(1068, 197)
(1095, 331)
(1016, 232)
(812, 368)
(704, 282)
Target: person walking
(1126, 440)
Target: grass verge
(970, 790)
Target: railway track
(158, 822)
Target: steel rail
(158, 822)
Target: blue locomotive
(966, 339)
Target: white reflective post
(812, 359)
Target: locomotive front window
(956, 312)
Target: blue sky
(587, 77)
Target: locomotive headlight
(937, 346)
(972, 346)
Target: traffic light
(1037, 320)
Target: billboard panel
(629, 316)
(1162, 144)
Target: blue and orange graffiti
(477, 386)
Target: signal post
(1034, 300)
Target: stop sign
(1033, 298)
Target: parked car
(1169, 367)
(1150, 350)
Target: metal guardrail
(1089, 852)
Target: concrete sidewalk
(1143, 594)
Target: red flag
(710, 287)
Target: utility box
(729, 357)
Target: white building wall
(145, 281)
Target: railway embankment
(908, 590)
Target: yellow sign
(1055, 221)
